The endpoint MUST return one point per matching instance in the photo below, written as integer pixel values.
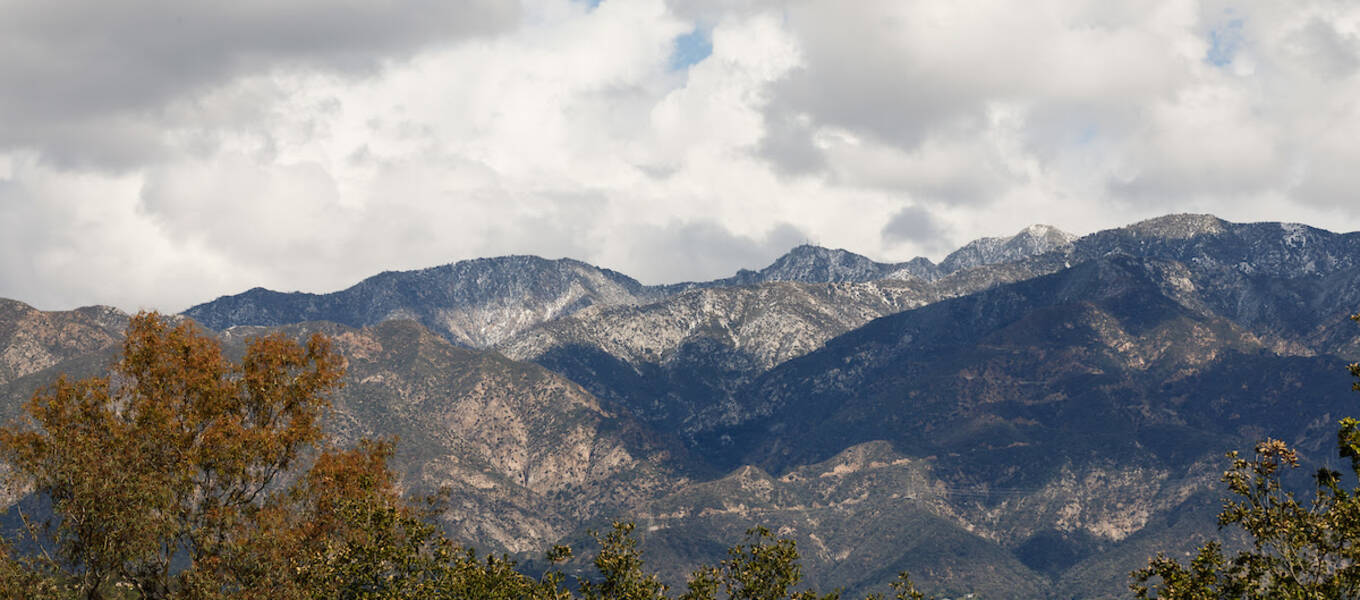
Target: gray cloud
(788, 145)
(91, 84)
(1332, 53)
(904, 75)
(701, 250)
(916, 225)
(858, 74)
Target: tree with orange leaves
(167, 480)
(170, 455)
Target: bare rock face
(771, 323)
(32, 340)
(524, 453)
(870, 505)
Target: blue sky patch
(1224, 41)
(1088, 134)
(690, 49)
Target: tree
(182, 455)
(170, 454)
(343, 532)
(764, 568)
(620, 566)
(1300, 550)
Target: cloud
(93, 84)
(914, 224)
(700, 250)
(161, 155)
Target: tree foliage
(763, 568)
(1301, 549)
(169, 454)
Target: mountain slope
(1065, 414)
(1031, 241)
(679, 362)
(1118, 323)
(671, 361)
(1292, 284)
(32, 340)
(859, 518)
(524, 454)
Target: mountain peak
(1180, 226)
(817, 264)
(1030, 241)
(1040, 230)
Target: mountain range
(1032, 417)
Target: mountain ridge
(482, 302)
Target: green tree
(619, 564)
(763, 568)
(1301, 549)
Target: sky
(155, 155)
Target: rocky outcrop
(523, 453)
(32, 340)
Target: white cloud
(250, 147)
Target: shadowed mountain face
(1065, 420)
(679, 362)
(1030, 418)
(1107, 351)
